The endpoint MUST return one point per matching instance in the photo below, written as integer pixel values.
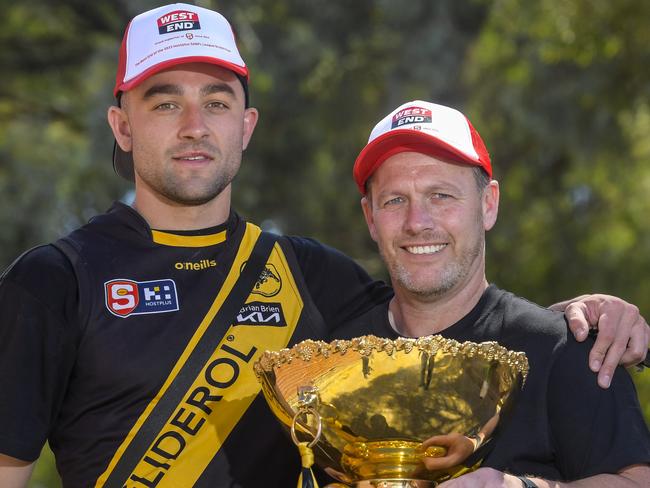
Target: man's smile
(425, 249)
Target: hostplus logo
(178, 20)
(127, 297)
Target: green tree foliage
(56, 65)
(563, 101)
(559, 90)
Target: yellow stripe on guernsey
(224, 389)
(176, 240)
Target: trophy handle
(306, 411)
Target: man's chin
(423, 288)
(193, 197)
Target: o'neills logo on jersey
(126, 297)
(178, 20)
(196, 265)
(411, 115)
(261, 313)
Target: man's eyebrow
(217, 88)
(171, 89)
(168, 89)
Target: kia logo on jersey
(127, 297)
(261, 313)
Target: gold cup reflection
(373, 401)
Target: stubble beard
(194, 190)
(434, 287)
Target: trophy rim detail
(366, 345)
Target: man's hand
(484, 478)
(623, 334)
(14, 473)
(458, 447)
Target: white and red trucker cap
(422, 127)
(167, 36)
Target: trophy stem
(403, 483)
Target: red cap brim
(408, 140)
(132, 83)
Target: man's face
(187, 128)
(429, 220)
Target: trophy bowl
(366, 405)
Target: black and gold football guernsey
(97, 331)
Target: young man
(428, 199)
(141, 327)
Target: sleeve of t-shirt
(340, 288)
(595, 430)
(38, 296)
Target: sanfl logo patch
(128, 297)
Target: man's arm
(623, 334)
(637, 476)
(14, 473)
(339, 300)
(36, 297)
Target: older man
(428, 200)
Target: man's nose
(419, 217)
(193, 124)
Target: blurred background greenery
(560, 91)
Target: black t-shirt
(563, 426)
(68, 378)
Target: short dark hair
(481, 178)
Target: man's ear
(119, 122)
(251, 116)
(366, 206)
(490, 203)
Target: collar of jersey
(210, 236)
(179, 240)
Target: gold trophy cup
(366, 405)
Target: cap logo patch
(178, 20)
(127, 297)
(411, 115)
